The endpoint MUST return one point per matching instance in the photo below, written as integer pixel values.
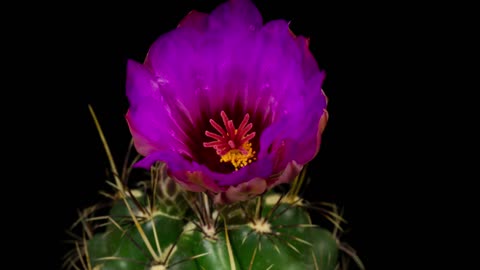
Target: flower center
(232, 145)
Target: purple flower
(232, 106)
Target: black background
(80, 57)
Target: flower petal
(242, 192)
(181, 168)
(149, 116)
(290, 172)
(287, 143)
(189, 174)
(196, 20)
(235, 17)
(227, 61)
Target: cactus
(225, 112)
(155, 224)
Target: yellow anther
(239, 159)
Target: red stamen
(229, 137)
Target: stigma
(232, 144)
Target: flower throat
(232, 145)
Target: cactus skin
(186, 231)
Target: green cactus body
(141, 233)
(122, 246)
(283, 238)
(213, 251)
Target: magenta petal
(299, 143)
(235, 17)
(242, 192)
(227, 61)
(191, 175)
(141, 85)
(261, 168)
(143, 144)
(290, 172)
(196, 20)
(308, 63)
(149, 119)
(179, 166)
